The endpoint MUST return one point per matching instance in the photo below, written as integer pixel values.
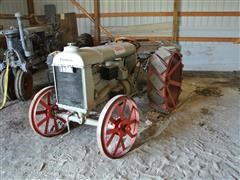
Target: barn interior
(131, 89)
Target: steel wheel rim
(17, 76)
(23, 85)
(26, 84)
(47, 126)
(116, 141)
(173, 81)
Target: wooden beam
(147, 14)
(209, 39)
(214, 13)
(68, 22)
(97, 21)
(175, 27)
(3, 44)
(30, 7)
(156, 14)
(186, 39)
(86, 13)
(11, 16)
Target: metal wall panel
(189, 26)
(197, 56)
(210, 5)
(10, 7)
(203, 56)
(84, 25)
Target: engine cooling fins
(165, 78)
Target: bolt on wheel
(117, 126)
(44, 115)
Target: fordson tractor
(96, 86)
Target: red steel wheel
(164, 80)
(43, 114)
(117, 126)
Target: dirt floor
(200, 140)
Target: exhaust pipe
(22, 39)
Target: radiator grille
(69, 88)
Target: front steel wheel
(44, 114)
(117, 126)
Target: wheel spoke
(46, 127)
(48, 98)
(124, 106)
(174, 83)
(132, 122)
(130, 115)
(55, 124)
(113, 120)
(120, 111)
(44, 104)
(130, 134)
(51, 129)
(170, 95)
(122, 143)
(42, 121)
(110, 139)
(110, 131)
(61, 119)
(41, 112)
(174, 68)
(117, 146)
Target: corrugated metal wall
(84, 25)
(197, 56)
(10, 7)
(210, 26)
(190, 26)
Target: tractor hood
(87, 56)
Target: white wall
(202, 56)
(214, 26)
(197, 56)
(10, 7)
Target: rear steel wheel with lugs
(164, 79)
(117, 126)
(44, 114)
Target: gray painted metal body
(94, 89)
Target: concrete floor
(200, 140)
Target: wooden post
(85, 12)
(175, 28)
(69, 23)
(30, 7)
(97, 22)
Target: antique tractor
(106, 77)
(26, 48)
